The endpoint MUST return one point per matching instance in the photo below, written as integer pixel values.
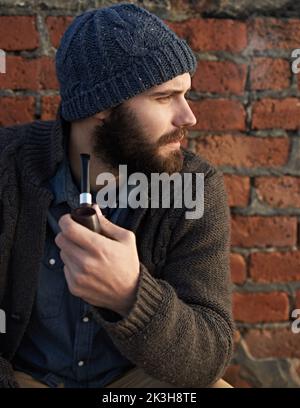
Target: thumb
(108, 228)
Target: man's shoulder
(16, 135)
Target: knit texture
(180, 327)
(111, 54)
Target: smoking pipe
(85, 213)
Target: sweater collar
(43, 149)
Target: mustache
(175, 136)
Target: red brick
(236, 337)
(18, 33)
(276, 113)
(280, 343)
(47, 74)
(268, 33)
(269, 73)
(218, 114)
(16, 110)
(244, 151)
(238, 268)
(275, 266)
(212, 34)
(258, 231)
(281, 192)
(49, 107)
(56, 28)
(260, 307)
(238, 190)
(219, 77)
(298, 299)
(234, 376)
(23, 73)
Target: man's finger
(108, 228)
(79, 234)
(69, 247)
(98, 211)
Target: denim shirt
(63, 344)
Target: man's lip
(173, 144)
(174, 141)
(177, 142)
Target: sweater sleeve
(180, 328)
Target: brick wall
(247, 102)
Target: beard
(122, 140)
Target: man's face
(145, 132)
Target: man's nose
(184, 116)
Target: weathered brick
(21, 73)
(34, 74)
(56, 28)
(275, 266)
(281, 192)
(281, 343)
(18, 33)
(16, 110)
(49, 107)
(260, 307)
(220, 77)
(298, 299)
(238, 190)
(243, 151)
(268, 33)
(269, 73)
(238, 268)
(218, 114)
(47, 74)
(256, 231)
(212, 34)
(236, 337)
(234, 376)
(276, 113)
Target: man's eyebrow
(168, 92)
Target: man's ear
(101, 116)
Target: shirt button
(80, 363)
(52, 261)
(85, 319)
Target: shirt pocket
(52, 283)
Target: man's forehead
(178, 84)
(181, 82)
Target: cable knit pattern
(111, 54)
(180, 327)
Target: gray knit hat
(111, 54)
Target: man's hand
(102, 270)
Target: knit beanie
(111, 54)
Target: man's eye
(165, 98)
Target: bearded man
(146, 303)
